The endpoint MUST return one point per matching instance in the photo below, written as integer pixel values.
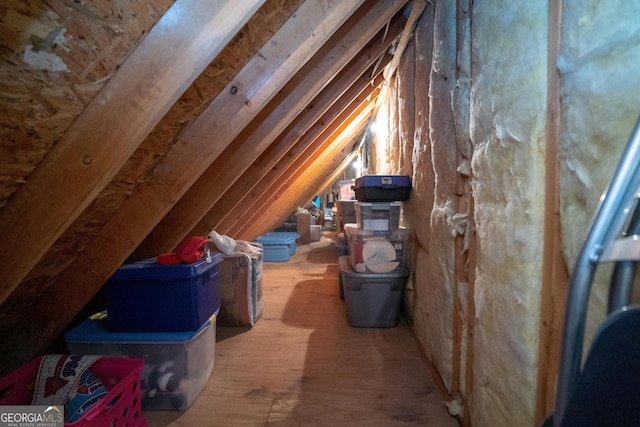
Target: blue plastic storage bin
(278, 245)
(177, 365)
(280, 237)
(149, 297)
(378, 216)
(382, 188)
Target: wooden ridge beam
(284, 108)
(111, 127)
(264, 75)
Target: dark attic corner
(142, 140)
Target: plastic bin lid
(345, 268)
(385, 181)
(379, 205)
(150, 269)
(397, 234)
(278, 237)
(350, 227)
(94, 330)
(354, 232)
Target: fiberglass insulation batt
(599, 84)
(434, 273)
(433, 168)
(489, 87)
(509, 81)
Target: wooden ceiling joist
(346, 43)
(289, 49)
(243, 46)
(111, 127)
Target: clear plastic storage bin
(373, 253)
(177, 365)
(378, 216)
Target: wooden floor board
(301, 364)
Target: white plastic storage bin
(177, 364)
(378, 216)
(373, 253)
(372, 300)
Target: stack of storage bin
(278, 245)
(374, 272)
(164, 314)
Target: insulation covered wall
(433, 146)
(422, 175)
(469, 87)
(438, 291)
(599, 56)
(509, 63)
(480, 123)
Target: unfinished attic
(128, 126)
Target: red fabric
(189, 250)
(171, 258)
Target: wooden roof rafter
(81, 164)
(255, 85)
(225, 213)
(346, 44)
